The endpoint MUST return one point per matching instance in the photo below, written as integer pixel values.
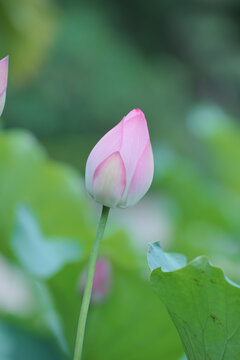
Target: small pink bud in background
(101, 283)
(3, 82)
(119, 169)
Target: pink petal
(109, 180)
(106, 146)
(135, 138)
(142, 177)
(3, 75)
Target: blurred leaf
(55, 192)
(142, 327)
(91, 64)
(49, 315)
(205, 307)
(40, 257)
(17, 344)
(119, 248)
(130, 324)
(203, 209)
(183, 357)
(221, 134)
(56, 195)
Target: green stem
(89, 282)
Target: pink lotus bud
(3, 82)
(102, 281)
(119, 169)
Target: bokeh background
(76, 68)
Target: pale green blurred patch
(41, 257)
(28, 28)
(203, 198)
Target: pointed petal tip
(134, 113)
(137, 111)
(5, 59)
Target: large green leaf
(204, 305)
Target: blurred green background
(76, 68)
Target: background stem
(89, 283)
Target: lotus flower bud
(119, 169)
(101, 283)
(3, 82)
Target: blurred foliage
(55, 193)
(19, 344)
(101, 95)
(101, 60)
(54, 253)
(203, 198)
(106, 59)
